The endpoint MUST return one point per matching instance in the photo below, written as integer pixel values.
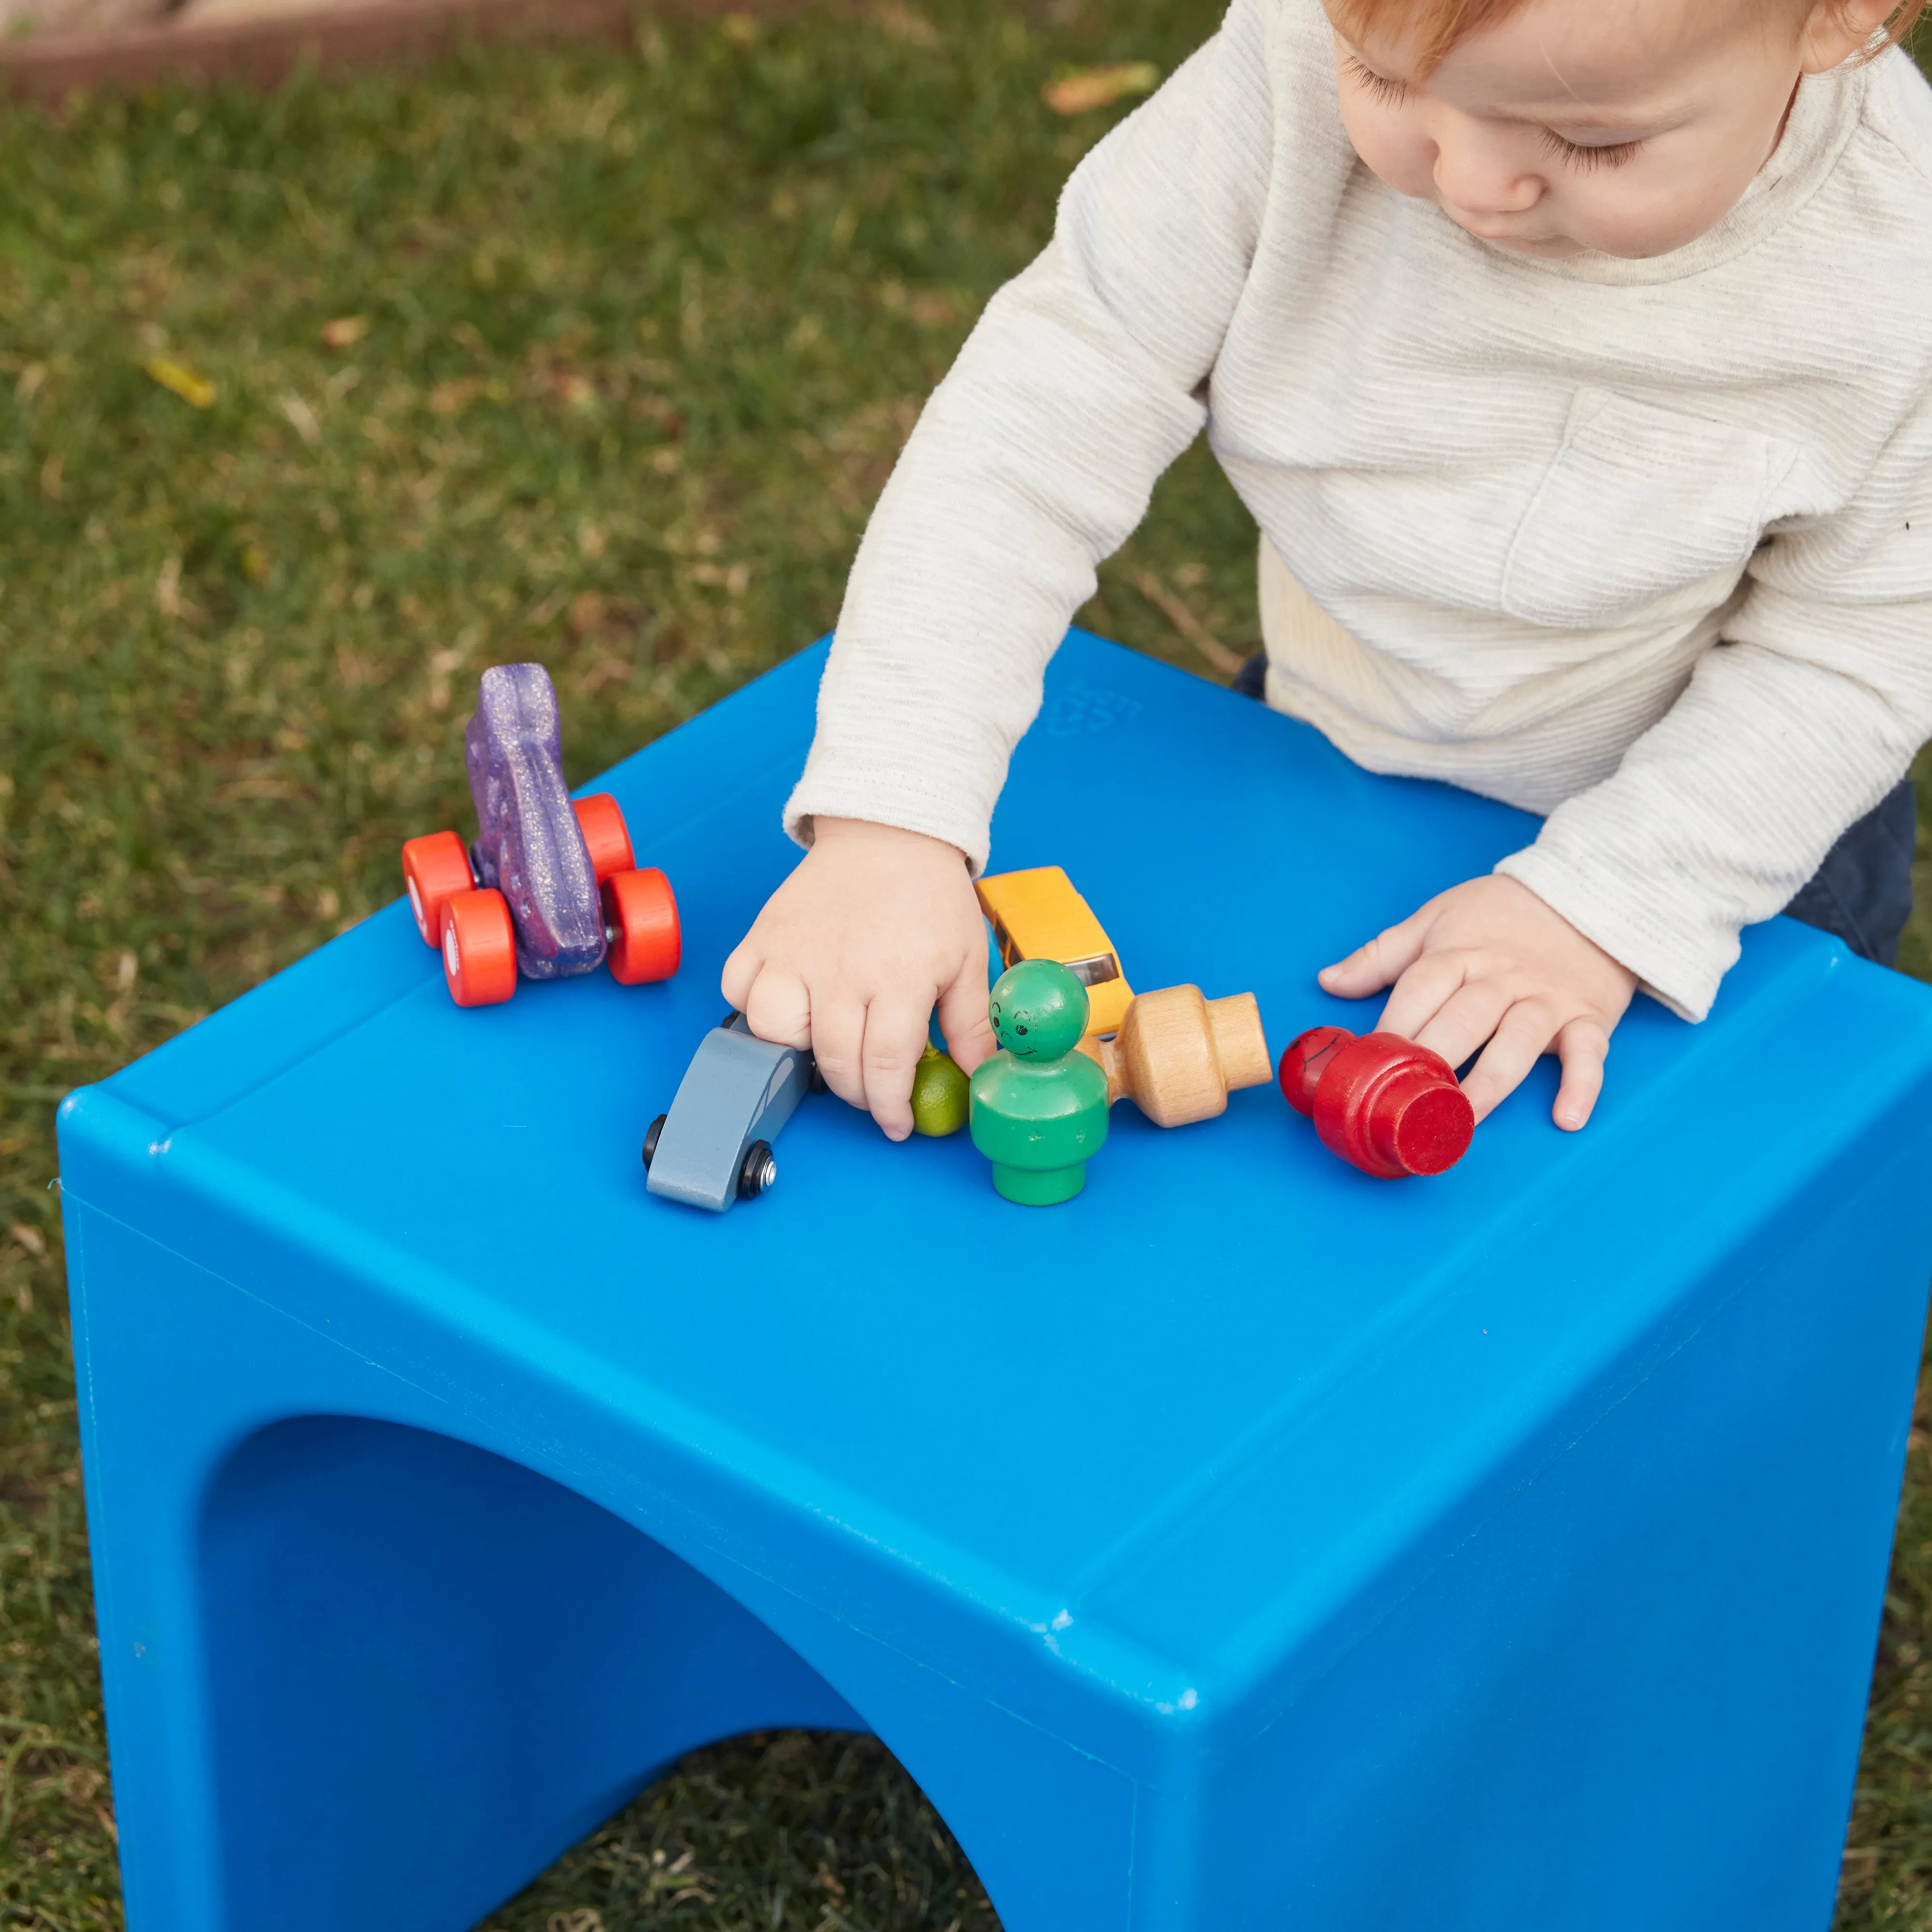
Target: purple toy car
(549, 888)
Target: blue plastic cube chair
(1246, 1543)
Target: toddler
(1574, 358)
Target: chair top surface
(1176, 1415)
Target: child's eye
(1378, 86)
(1589, 159)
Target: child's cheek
(1637, 221)
(1398, 155)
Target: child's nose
(1479, 176)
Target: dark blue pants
(1862, 892)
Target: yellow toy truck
(1036, 914)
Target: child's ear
(1835, 30)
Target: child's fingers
(838, 1035)
(1464, 1022)
(740, 973)
(962, 1015)
(777, 1005)
(1380, 963)
(895, 1036)
(1424, 988)
(1583, 1045)
(1522, 1037)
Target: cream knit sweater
(1645, 546)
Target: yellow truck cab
(1037, 915)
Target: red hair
(1436, 26)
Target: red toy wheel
(602, 821)
(640, 927)
(479, 949)
(435, 869)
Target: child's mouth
(1527, 245)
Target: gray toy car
(715, 1145)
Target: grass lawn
(598, 356)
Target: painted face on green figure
(1038, 1010)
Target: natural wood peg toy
(1383, 1103)
(1178, 1056)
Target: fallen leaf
(29, 1238)
(307, 424)
(1091, 87)
(901, 23)
(606, 670)
(182, 380)
(450, 398)
(344, 330)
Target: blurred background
(314, 403)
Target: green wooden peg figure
(1039, 1108)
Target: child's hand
(1490, 961)
(850, 954)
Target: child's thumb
(962, 1017)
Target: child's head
(1551, 127)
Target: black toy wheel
(757, 1171)
(651, 1134)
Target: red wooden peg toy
(1383, 1103)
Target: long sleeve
(1035, 458)
(1522, 498)
(1796, 725)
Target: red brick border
(265, 49)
